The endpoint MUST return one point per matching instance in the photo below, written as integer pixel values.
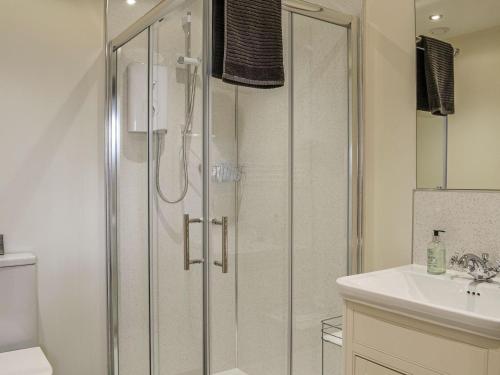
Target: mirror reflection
(458, 91)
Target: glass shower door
(224, 176)
(232, 204)
(320, 188)
(176, 170)
(249, 185)
(130, 142)
(158, 139)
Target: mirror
(458, 139)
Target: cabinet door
(364, 367)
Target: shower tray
(234, 371)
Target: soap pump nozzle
(436, 234)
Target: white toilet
(19, 351)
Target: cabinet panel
(364, 367)
(429, 351)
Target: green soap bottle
(436, 255)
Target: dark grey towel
(247, 42)
(435, 77)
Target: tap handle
(455, 260)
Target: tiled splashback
(471, 220)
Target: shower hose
(160, 141)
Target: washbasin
(453, 300)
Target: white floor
(234, 371)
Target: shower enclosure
(231, 210)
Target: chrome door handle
(187, 259)
(224, 264)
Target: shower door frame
(355, 148)
(355, 212)
(351, 23)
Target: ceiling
(121, 15)
(460, 16)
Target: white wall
(51, 162)
(121, 15)
(390, 131)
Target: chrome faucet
(479, 268)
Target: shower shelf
(331, 330)
(226, 172)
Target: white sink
(444, 299)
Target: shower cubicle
(231, 210)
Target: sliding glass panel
(261, 262)
(224, 177)
(132, 222)
(177, 192)
(320, 187)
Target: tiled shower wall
(471, 220)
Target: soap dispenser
(436, 255)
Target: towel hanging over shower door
(247, 42)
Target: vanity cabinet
(378, 342)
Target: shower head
(186, 20)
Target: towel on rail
(435, 77)
(247, 42)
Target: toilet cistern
(20, 353)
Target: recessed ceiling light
(435, 17)
(131, 2)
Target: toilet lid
(30, 361)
